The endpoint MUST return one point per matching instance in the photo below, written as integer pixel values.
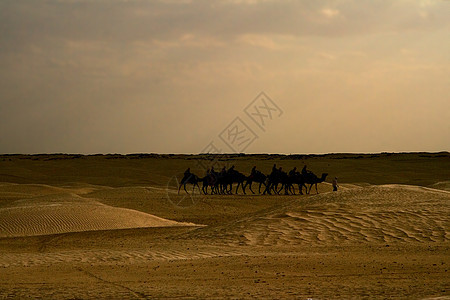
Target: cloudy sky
(116, 76)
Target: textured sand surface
(376, 214)
(64, 212)
(78, 240)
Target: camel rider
(274, 168)
(253, 170)
(305, 172)
(213, 173)
(187, 172)
(293, 171)
(274, 172)
(224, 171)
(231, 169)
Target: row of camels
(222, 182)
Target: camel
(312, 179)
(191, 179)
(233, 176)
(298, 179)
(288, 181)
(276, 177)
(222, 183)
(255, 176)
(211, 179)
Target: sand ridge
(442, 185)
(67, 212)
(377, 214)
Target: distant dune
(443, 185)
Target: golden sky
(117, 76)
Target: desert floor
(114, 227)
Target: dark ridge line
(61, 156)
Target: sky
(253, 76)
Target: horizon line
(231, 153)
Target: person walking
(335, 184)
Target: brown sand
(68, 214)
(87, 241)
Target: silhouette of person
(254, 170)
(274, 168)
(293, 171)
(304, 171)
(335, 184)
(187, 172)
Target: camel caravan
(278, 180)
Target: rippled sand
(88, 241)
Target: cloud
(330, 13)
(262, 41)
(125, 21)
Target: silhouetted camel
(225, 180)
(255, 176)
(276, 177)
(234, 176)
(212, 180)
(298, 179)
(191, 179)
(289, 180)
(312, 179)
(222, 183)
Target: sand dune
(389, 213)
(61, 213)
(335, 242)
(12, 192)
(75, 227)
(31, 190)
(377, 214)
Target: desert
(115, 227)
(227, 149)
